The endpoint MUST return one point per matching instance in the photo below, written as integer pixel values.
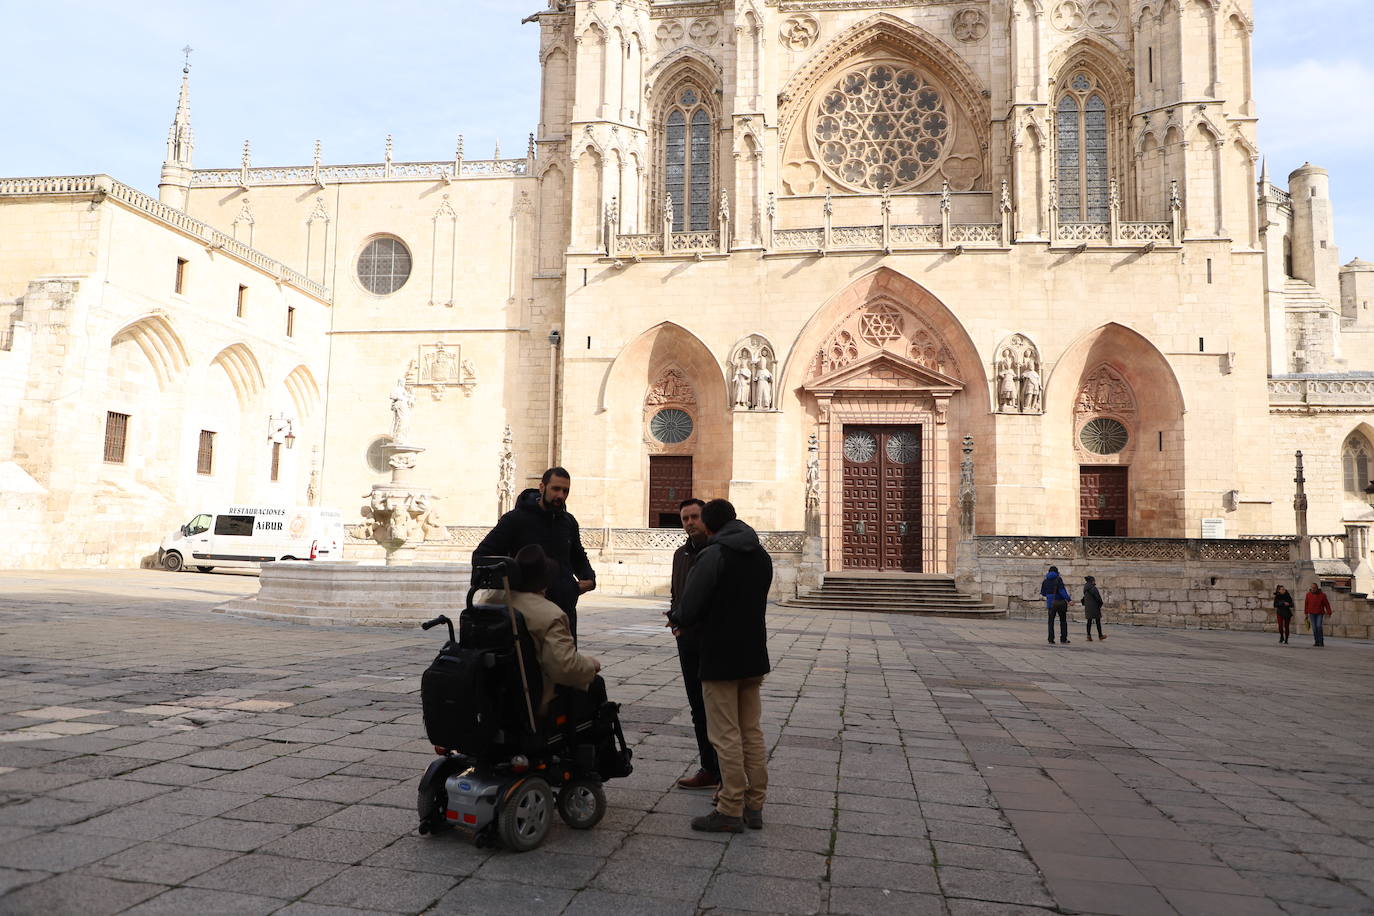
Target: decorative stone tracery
(670, 409)
(883, 325)
(799, 32)
(1104, 418)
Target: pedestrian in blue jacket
(1056, 602)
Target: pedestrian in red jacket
(1316, 607)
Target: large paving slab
(158, 758)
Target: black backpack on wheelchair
(499, 759)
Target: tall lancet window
(1356, 463)
(1081, 141)
(687, 160)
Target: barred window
(384, 266)
(205, 453)
(1081, 164)
(687, 160)
(116, 436)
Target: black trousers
(1060, 609)
(689, 656)
(1091, 621)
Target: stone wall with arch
(1119, 363)
(664, 367)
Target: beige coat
(553, 642)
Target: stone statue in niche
(1007, 387)
(753, 379)
(1019, 385)
(505, 493)
(763, 385)
(743, 383)
(1030, 387)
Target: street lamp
(281, 429)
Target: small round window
(671, 426)
(376, 458)
(1103, 436)
(384, 266)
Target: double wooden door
(882, 498)
(1103, 501)
(670, 482)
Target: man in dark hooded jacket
(725, 599)
(541, 517)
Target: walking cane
(519, 652)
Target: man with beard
(541, 517)
(707, 775)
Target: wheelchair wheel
(431, 799)
(525, 816)
(582, 803)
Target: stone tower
(176, 168)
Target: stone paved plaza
(158, 758)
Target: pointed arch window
(1081, 165)
(687, 155)
(1356, 463)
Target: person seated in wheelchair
(547, 625)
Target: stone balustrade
(101, 187)
(379, 171)
(1355, 389)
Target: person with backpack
(1057, 599)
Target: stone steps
(894, 593)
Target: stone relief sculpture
(968, 491)
(755, 365)
(506, 487)
(402, 405)
(440, 366)
(1017, 370)
(1105, 391)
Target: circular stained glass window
(384, 266)
(881, 125)
(671, 426)
(376, 458)
(860, 446)
(1103, 436)
(903, 447)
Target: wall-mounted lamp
(555, 338)
(281, 429)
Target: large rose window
(881, 125)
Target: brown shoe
(699, 780)
(715, 822)
(753, 818)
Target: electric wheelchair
(499, 761)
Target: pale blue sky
(91, 86)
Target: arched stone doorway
(892, 383)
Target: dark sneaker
(699, 780)
(715, 822)
(1063, 642)
(753, 818)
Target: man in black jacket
(707, 775)
(726, 598)
(541, 517)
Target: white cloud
(1313, 108)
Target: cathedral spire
(176, 168)
(180, 139)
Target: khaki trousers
(733, 711)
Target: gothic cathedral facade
(810, 255)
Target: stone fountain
(401, 515)
(399, 510)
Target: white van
(247, 536)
